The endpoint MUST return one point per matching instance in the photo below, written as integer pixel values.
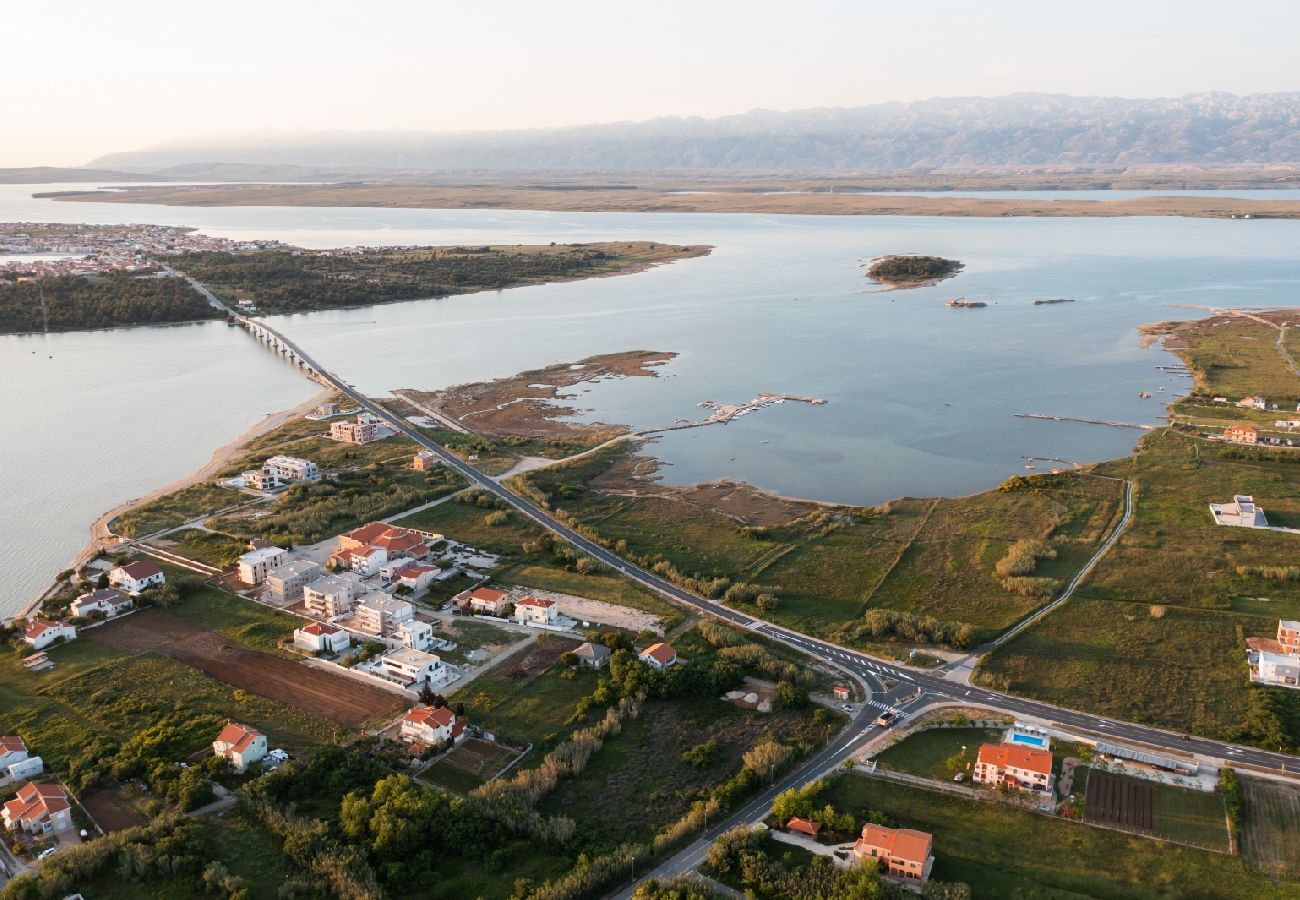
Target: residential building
(107, 602)
(292, 468)
(435, 726)
(1241, 512)
(593, 656)
(1242, 434)
(285, 583)
(1277, 669)
(532, 610)
(424, 461)
(39, 808)
(381, 615)
(368, 548)
(365, 561)
(1253, 403)
(412, 667)
(319, 637)
(13, 749)
(658, 656)
(22, 770)
(134, 577)
(241, 745)
(483, 600)
(41, 633)
(904, 852)
(804, 826)
(261, 480)
(1288, 635)
(414, 634)
(1014, 765)
(328, 409)
(331, 596)
(255, 564)
(358, 432)
(414, 575)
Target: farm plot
(1270, 833)
(471, 763)
(1121, 802)
(313, 691)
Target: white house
(41, 633)
(532, 610)
(658, 656)
(291, 468)
(1241, 512)
(255, 564)
(414, 634)
(13, 749)
(134, 577)
(365, 561)
(331, 596)
(381, 615)
(261, 480)
(483, 600)
(285, 583)
(240, 744)
(23, 769)
(39, 808)
(1277, 669)
(1253, 403)
(408, 572)
(431, 726)
(412, 667)
(319, 636)
(108, 602)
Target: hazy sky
(83, 78)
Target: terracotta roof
(530, 600)
(440, 717)
(12, 744)
(37, 627)
(1028, 758)
(35, 801)
(238, 737)
(487, 595)
(898, 843)
(1242, 428)
(398, 540)
(319, 628)
(141, 569)
(803, 825)
(1265, 644)
(660, 653)
(367, 533)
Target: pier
(1085, 421)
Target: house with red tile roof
(241, 745)
(658, 656)
(134, 577)
(39, 808)
(368, 548)
(483, 600)
(804, 826)
(12, 749)
(1241, 434)
(1026, 768)
(530, 610)
(435, 726)
(41, 633)
(320, 637)
(903, 852)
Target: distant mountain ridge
(948, 133)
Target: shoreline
(100, 533)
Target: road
(868, 668)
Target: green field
(464, 522)
(1236, 357)
(525, 710)
(211, 547)
(1002, 852)
(927, 753)
(249, 623)
(177, 508)
(1270, 826)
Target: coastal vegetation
(301, 280)
(69, 303)
(912, 271)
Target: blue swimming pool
(1030, 739)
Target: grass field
(1163, 810)
(176, 508)
(927, 753)
(464, 522)
(210, 547)
(470, 764)
(609, 588)
(1236, 357)
(471, 634)
(1270, 827)
(1001, 851)
(528, 709)
(252, 624)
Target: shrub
(1023, 556)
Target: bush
(1031, 587)
(1023, 556)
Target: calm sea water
(921, 398)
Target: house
(13, 749)
(593, 656)
(658, 656)
(1241, 512)
(1242, 434)
(285, 583)
(1276, 669)
(1288, 635)
(904, 852)
(331, 596)
(134, 577)
(368, 548)
(409, 573)
(326, 410)
(241, 745)
(1014, 765)
(1253, 403)
(22, 770)
(365, 561)
(108, 602)
(39, 808)
(321, 637)
(414, 634)
(41, 633)
(483, 600)
(261, 480)
(255, 564)
(412, 667)
(1287, 424)
(381, 615)
(362, 431)
(841, 692)
(532, 610)
(435, 726)
(292, 468)
(424, 461)
(804, 826)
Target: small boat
(963, 303)
(1144, 395)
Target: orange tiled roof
(1027, 758)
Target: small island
(912, 271)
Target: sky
(85, 78)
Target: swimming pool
(1032, 740)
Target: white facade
(261, 480)
(241, 745)
(136, 576)
(1281, 669)
(108, 602)
(435, 727)
(381, 615)
(532, 611)
(255, 564)
(41, 633)
(292, 468)
(414, 634)
(331, 596)
(23, 769)
(318, 637)
(412, 667)
(1241, 513)
(286, 582)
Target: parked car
(846, 707)
(47, 853)
(960, 776)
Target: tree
(766, 757)
(791, 696)
(426, 694)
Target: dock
(1086, 421)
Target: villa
(39, 808)
(904, 852)
(658, 656)
(412, 668)
(41, 633)
(1241, 513)
(433, 726)
(1014, 765)
(321, 637)
(532, 610)
(134, 577)
(241, 745)
(1242, 434)
(483, 600)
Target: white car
(47, 853)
